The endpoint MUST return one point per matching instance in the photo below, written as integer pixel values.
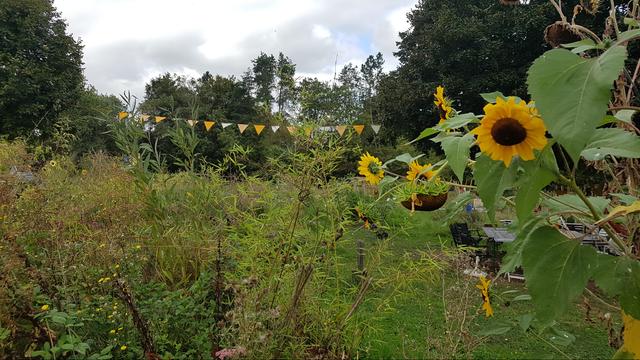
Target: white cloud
(127, 42)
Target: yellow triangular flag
(242, 127)
(144, 118)
(292, 129)
(160, 119)
(123, 115)
(209, 124)
(359, 129)
(259, 128)
(191, 122)
(341, 129)
(308, 130)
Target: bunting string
(259, 128)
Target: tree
(349, 93)
(264, 77)
(40, 67)
(169, 94)
(470, 47)
(286, 86)
(371, 73)
(317, 101)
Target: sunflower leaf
(425, 134)
(572, 93)
(613, 142)
(539, 173)
(457, 121)
(456, 149)
(492, 178)
(492, 96)
(557, 270)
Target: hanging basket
(425, 202)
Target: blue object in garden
(469, 208)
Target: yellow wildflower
(44, 307)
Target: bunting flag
(375, 128)
(160, 119)
(123, 115)
(359, 129)
(292, 129)
(224, 125)
(209, 124)
(275, 128)
(242, 127)
(341, 129)
(144, 118)
(192, 122)
(258, 128)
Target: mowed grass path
(412, 324)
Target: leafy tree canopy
(40, 67)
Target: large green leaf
(492, 178)
(614, 142)
(513, 258)
(620, 276)
(569, 203)
(572, 93)
(556, 270)
(425, 134)
(456, 149)
(538, 173)
(493, 96)
(457, 121)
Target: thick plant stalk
(123, 292)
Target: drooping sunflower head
(443, 104)
(510, 127)
(371, 168)
(484, 290)
(419, 171)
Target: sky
(128, 42)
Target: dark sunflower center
(508, 132)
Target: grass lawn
(413, 324)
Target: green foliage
(548, 252)
(457, 149)
(538, 173)
(614, 142)
(41, 72)
(492, 179)
(572, 93)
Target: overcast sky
(128, 42)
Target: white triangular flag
(275, 128)
(224, 125)
(376, 128)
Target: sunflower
(631, 335)
(508, 128)
(484, 290)
(416, 170)
(443, 104)
(371, 168)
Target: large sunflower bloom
(415, 170)
(443, 104)
(509, 129)
(484, 290)
(371, 168)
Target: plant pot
(426, 202)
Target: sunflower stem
(594, 213)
